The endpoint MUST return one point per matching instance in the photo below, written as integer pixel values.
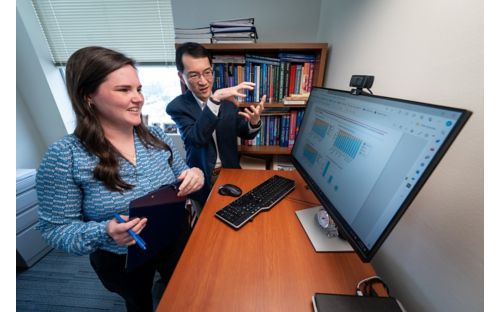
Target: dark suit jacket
(197, 126)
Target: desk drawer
(26, 200)
(26, 218)
(25, 183)
(31, 246)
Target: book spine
(298, 75)
(262, 59)
(262, 133)
(264, 83)
(281, 80)
(304, 78)
(299, 56)
(248, 77)
(300, 115)
(291, 129)
(227, 75)
(311, 76)
(277, 122)
(277, 84)
(268, 127)
(287, 130)
(271, 130)
(291, 86)
(265, 58)
(256, 95)
(282, 130)
(270, 96)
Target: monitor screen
(366, 157)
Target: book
(304, 78)
(245, 21)
(291, 133)
(298, 75)
(234, 29)
(233, 40)
(241, 34)
(295, 99)
(252, 59)
(256, 90)
(296, 57)
(228, 59)
(286, 80)
(292, 75)
(272, 60)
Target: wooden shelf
(272, 105)
(263, 150)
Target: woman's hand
(118, 231)
(192, 180)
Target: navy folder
(167, 219)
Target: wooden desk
(267, 265)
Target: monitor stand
(318, 238)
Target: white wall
(39, 83)
(29, 146)
(429, 51)
(277, 20)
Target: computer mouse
(229, 190)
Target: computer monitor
(366, 157)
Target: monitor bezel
(347, 233)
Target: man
(210, 123)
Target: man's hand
(231, 93)
(252, 114)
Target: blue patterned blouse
(74, 208)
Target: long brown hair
(86, 69)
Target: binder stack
(241, 30)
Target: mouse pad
(167, 218)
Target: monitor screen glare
(366, 157)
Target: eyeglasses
(195, 77)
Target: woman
(109, 160)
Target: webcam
(360, 82)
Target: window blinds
(141, 29)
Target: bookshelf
(274, 52)
(319, 50)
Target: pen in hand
(134, 235)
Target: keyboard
(262, 197)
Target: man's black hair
(193, 49)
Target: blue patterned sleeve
(178, 164)
(60, 205)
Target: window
(142, 30)
(160, 85)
